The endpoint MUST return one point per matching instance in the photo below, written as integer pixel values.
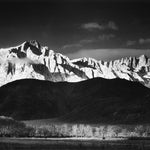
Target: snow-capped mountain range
(31, 60)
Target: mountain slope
(31, 60)
(96, 101)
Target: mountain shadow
(97, 100)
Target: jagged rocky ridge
(31, 60)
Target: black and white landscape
(83, 83)
(83, 89)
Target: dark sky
(100, 29)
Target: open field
(73, 144)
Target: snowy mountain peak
(129, 68)
(31, 60)
(143, 57)
(31, 43)
(35, 43)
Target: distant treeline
(92, 131)
(11, 128)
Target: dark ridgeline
(97, 100)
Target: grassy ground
(72, 144)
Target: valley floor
(72, 143)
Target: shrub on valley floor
(12, 128)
